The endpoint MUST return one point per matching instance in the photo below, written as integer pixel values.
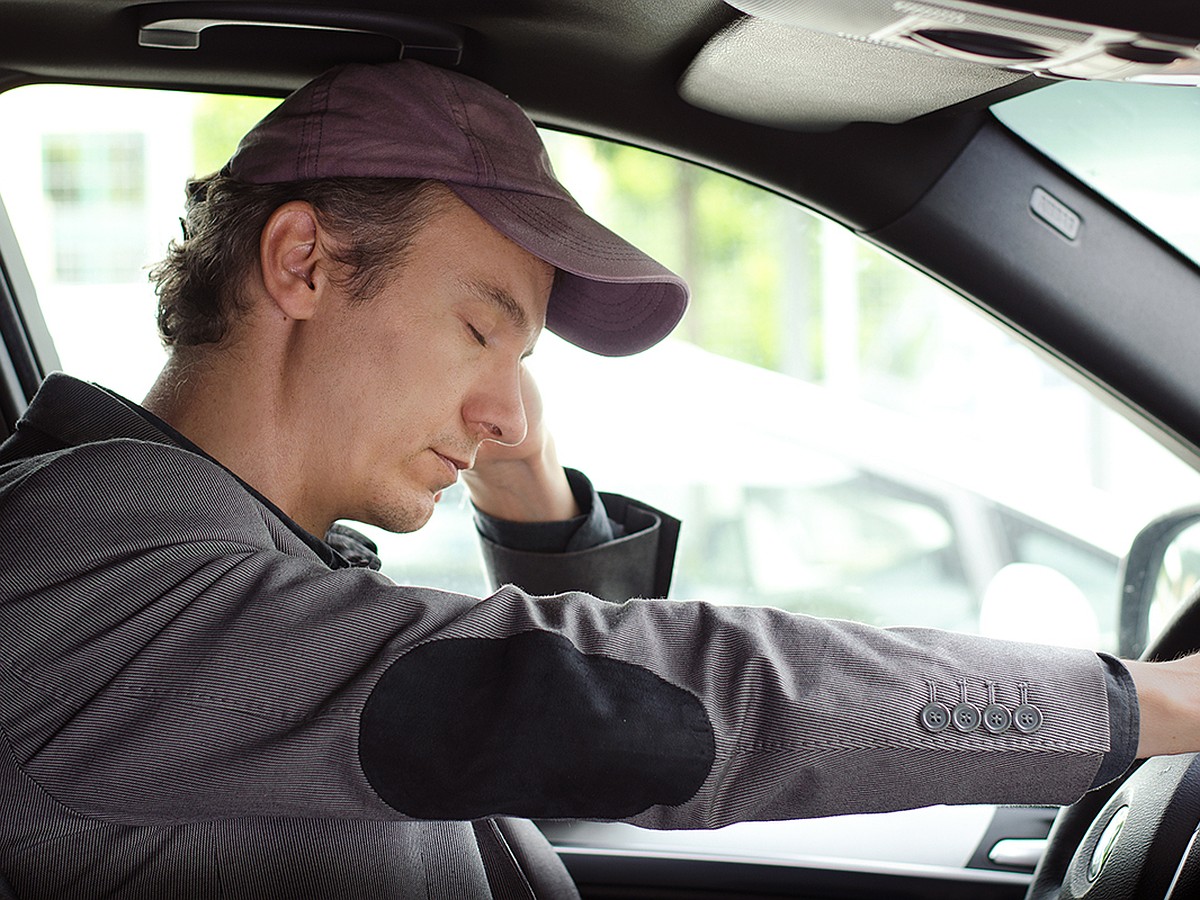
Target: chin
(405, 514)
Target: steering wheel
(1136, 838)
(1140, 843)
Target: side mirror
(1162, 566)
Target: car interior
(939, 368)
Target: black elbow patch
(529, 726)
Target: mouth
(453, 466)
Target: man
(199, 691)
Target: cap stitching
(319, 101)
(634, 299)
(459, 110)
(582, 314)
(624, 251)
(630, 312)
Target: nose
(496, 409)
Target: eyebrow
(501, 300)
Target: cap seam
(314, 121)
(462, 119)
(625, 252)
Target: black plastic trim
(620, 875)
(1114, 301)
(20, 356)
(26, 351)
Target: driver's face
(410, 383)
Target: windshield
(1133, 143)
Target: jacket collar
(71, 412)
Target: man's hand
(523, 482)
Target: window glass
(94, 188)
(839, 434)
(1134, 143)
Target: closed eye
(475, 333)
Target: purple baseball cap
(412, 120)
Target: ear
(292, 261)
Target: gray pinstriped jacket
(193, 702)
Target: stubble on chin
(404, 514)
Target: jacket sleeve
(170, 652)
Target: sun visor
(769, 73)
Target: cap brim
(609, 297)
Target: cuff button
(997, 719)
(935, 717)
(1027, 718)
(966, 718)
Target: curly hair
(201, 282)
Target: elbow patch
(529, 726)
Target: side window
(862, 547)
(844, 436)
(95, 193)
(1078, 577)
(840, 434)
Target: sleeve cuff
(590, 529)
(1124, 721)
(635, 559)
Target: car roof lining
(601, 77)
(635, 99)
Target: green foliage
(720, 234)
(219, 123)
(754, 262)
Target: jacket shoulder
(116, 488)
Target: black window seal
(28, 349)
